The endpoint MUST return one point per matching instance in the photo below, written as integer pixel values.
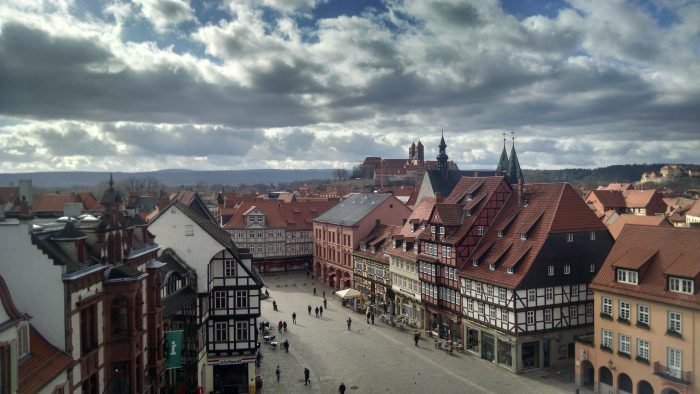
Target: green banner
(173, 348)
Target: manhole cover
(354, 387)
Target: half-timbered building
(524, 291)
(228, 296)
(455, 227)
(404, 297)
(371, 263)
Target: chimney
(72, 209)
(476, 174)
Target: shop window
(473, 340)
(531, 355)
(505, 356)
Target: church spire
(513, 172)
(442, 157)
(503, 161)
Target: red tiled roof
(448, 214)
(609, 199)
(52, 202)
(9, 194)
(380, 237)
(616, 227)
(421, 212)
(639, 198)
(294, 215)
(551, 208)
(677, 251)
(634, 258)
(44, 363)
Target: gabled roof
(448, 214)
(9, 194)
(640, 198)
(353, 209)
(676, 254)
(44, 363)
(609, 199)
(296, 215)
(381, 238)
(551, 208)
(444, 186)
(421, 213)
(615, 227)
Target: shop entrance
(531, 355)
(488, 347)
(473, 340)
(229, 379)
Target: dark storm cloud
(73, 140)
(45, 77)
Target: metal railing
(673, 375)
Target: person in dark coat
(309, 309)
(372, 317)
(341, 388)
(284, 325)
(316, 311)
(416, 338)
(320, 310)
(278, 372)
(294, 318)
(306, 376)
(314, 291)
(325, 303)
(286, 346)
(349, 323)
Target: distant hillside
(167, 177)
(626, 173)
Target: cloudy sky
(204, 84)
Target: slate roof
(353, 209)
(445, 186)
(676, 253)
(174, 302)
(381, 238)
(551, 208)
(615, 227)
(68, 233)
(123, 272)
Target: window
(88, 329)
(492, 311)
(567, 269)
(627, 276)
(607, 339)
(500, 234)
(624, 311)
(119, 314)
(547, 315)
(606, 307)
(679, 285)
(229, 268)
(241, 298)
(481, 309)
(531, 317)
(523, 237)
(550, 270)
(432, 229)
(573, 311)
(674, 322)
(674, 362)
(531, 295)
(592, 268)
(220, 332)
(502, 294)
(643, 314)
(643, 349)
(624, 345)
(470, 306)
(480, 230)
(569, 237)
(549, 293)
(219, 300)
(589, 309)
(23, 340)
(241, 330)
(592, 238)
(509, 270)
(442, 230)
(189, 230)
(504, 314)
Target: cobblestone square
(373, 358)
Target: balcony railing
(672, 375)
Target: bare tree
(340, 174)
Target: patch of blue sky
(210, 12)
(664, 16)
(522, 9)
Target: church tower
(412, 151)
(442, 157)
(513, 171)
(420, 152)
(503, 161)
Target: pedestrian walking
(316, 310)
(306, 376)
(314, 291)
(372, 317)
(279, 326)
(274, 305)
(325, 303)
(349, 323)
(368, 313)
(278, 372)
(294, 318)
(309, 309)
(320, 310)
(416, 337)
(341, 388)
(286, 346)
(284, 325)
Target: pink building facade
(337, 233)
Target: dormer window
(480, 230)
(475, 263)
(442, 230)
(509, 270)
(469, 197)
(500, 234)
(627, 276)
(415, 248)
(492, 267)
(373, 249)
(680, 285)
(404, 246)
(363, 247)
(569, 237)
(523, 237)
(468, 212)
(432, 229)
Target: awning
(348, 294)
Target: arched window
(624, 383)
(119, 316)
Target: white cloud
(164, 14)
